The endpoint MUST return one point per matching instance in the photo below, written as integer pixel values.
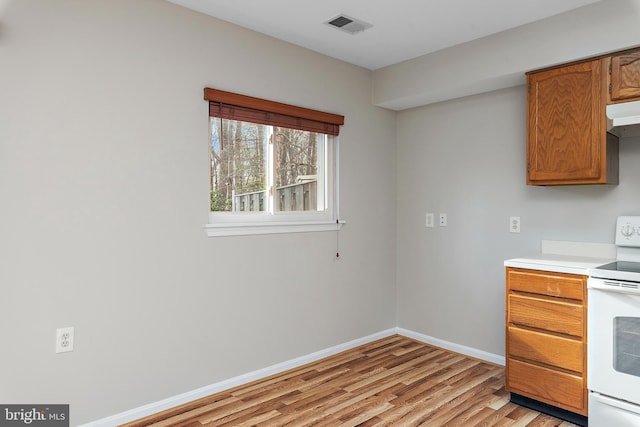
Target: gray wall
(466, 157)
(500, 60)
(103, 188)
(104, 192)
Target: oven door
(614, 339)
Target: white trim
(447, 345)
(246, 229)
(171, 402)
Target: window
(273, 167)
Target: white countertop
(558, 263)
(566, 257)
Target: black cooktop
(628, 266)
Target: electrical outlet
(443, 220)
(514, 224)
(64, 340)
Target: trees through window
(258, 168)
(270, 159)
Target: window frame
(284, 115)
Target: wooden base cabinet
(546, 338)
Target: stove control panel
(628, 231)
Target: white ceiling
(402, 29)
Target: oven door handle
(620, 404)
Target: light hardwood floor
(395, 381)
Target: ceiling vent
(348, 25)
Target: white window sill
(248, 229)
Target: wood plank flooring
(395, 381)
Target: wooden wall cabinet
(624, 77)
(567, 139)
(546, 338)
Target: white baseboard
(462, 349)
(171, 402)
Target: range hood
(624, 119)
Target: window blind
(233, 106)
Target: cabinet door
(625, 77)
(566, 138)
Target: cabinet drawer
(547, 385)
(545, 283)
(554, 316)
(552, 350)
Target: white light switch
(428, 222)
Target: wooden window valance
(233, 106)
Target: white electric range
(614, 332)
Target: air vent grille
(348, 24)
(340, 21)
